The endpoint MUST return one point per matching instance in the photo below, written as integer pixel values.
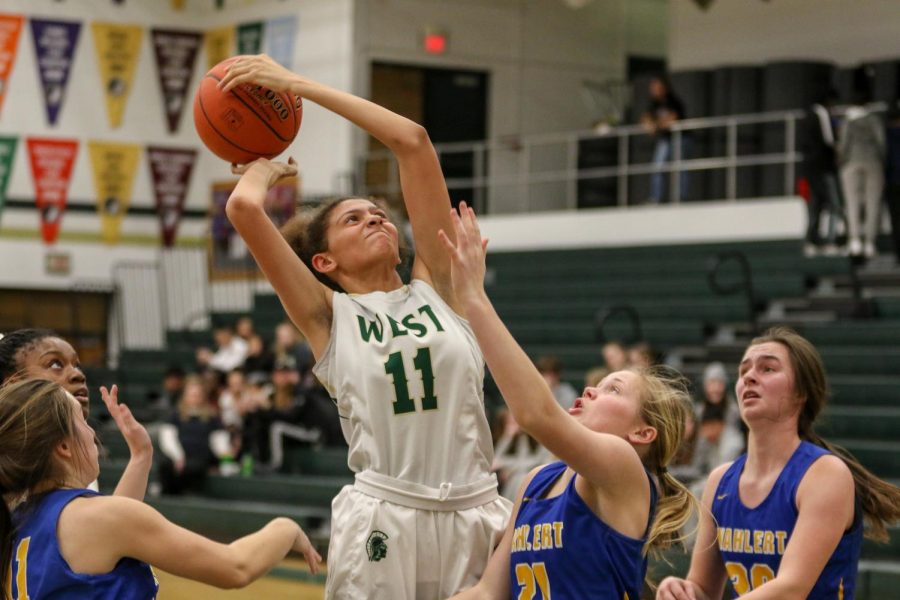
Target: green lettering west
(369, 328)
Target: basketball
(247, 122)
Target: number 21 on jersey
(527, 576)
(21, 562)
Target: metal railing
(744, 284)
(522, 165)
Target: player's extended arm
(306, 301)
(825, 502)
(706, 578)
(600, 458)
(133, 483)
(121, 527)
(421, 179)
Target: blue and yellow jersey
(560, 547)
(752, 541)
(39, 571)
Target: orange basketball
(247, 122)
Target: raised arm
(421, 179)
(600, 458)
(133, 483)
(96, 533)
(306, 301)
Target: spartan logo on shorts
(376, 547)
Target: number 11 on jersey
(393, 366)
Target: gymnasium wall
(323, 49)
(740, 32)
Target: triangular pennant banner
(51, 168)
(114, 166)
(10, 28)
(171, 171)
(54, 47)
(218, 45)
(280, 35)
(118, 48)
(176, 53)
(7, 155)
(249, 38)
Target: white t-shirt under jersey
(407, 376)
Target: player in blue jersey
(40, 353)
(785, 520)
(581, 527)
(63, 541)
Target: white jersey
(407, 375)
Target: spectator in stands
(79, 544)
(172, 388)
(893, 173)
(231, 398)
(515, 454)
(259, 359)
(244, 329)
(816, 139)
(642, 356)
(191, 442)
(720, 437)
(288, 340)
(786, 519)
(595, 375)
(550, 367)
(861, 155)
(615, 358)
(231, 351)
(664, 110)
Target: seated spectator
(231, 351)
(594, 376)
(288, 340)
(551, 368)
(720, 438)
(642, 356)
(172, 388)
(191, 442)
(259, 359)
(231, 398)
(515, 454)
(244, 328)
(614, 356)
(283, 404)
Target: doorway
(452, 105)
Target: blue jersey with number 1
(39, 571)
(752, 540)
(561, 548)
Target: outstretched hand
(466, 255)
(135, 434)
(305, 547)
(259, 70)
(675, 588)
(272, 170)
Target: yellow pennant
(178, 4)
(219, 44)
(118, 48)
(114, 166)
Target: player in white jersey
(405, 370)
